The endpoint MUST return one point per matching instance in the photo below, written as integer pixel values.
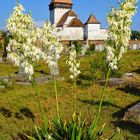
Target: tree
(135, 35)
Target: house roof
(75, 22)
(65, 16)
(92, 20)
(62, 1)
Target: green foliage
(41, 133)
(77, 46)
(98, 65)
(23, 96)
(74, 129)
(91, 49)
(69, 130)
(135, 35)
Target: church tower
(58, 8)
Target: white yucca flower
(119, 21)
(52, 47)
(73, 64)
(22, 48)
(24, 43)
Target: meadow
(19, 107)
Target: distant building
(70, 27)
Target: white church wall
(93, 27)
(56, 14)
(70, 33)
(94, 32)
(103, 34)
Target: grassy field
(19, 106)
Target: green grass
(18, 104)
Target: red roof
(62, 1)
(65, 16)
(75, 23)
(92, 20)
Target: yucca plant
(117, 43)
(79, 129)
(69, 130)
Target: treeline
(135, 35)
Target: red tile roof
(92, 20)
(65, 16)
(62, 1)
(75, 23)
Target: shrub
(77, 46)
(91, 49)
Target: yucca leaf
(73, 132)
(30, 138)
(79, 135)
(37, 132)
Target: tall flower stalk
(74, 72)
(119, 21)
(56, 97)
(53, 49)
(24, 50)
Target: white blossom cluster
(119, 21)
(73, 64)
(51, 44)
(23, 48)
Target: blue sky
(83, 8)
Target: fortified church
(70, 27)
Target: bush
(77, 46)
(91, 49)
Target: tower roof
(92, 20)
(60, 4)
(62, 1)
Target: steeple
(60, 4)
(92, 20)
(61, 1)
(58, 8)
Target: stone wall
(100, 44)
